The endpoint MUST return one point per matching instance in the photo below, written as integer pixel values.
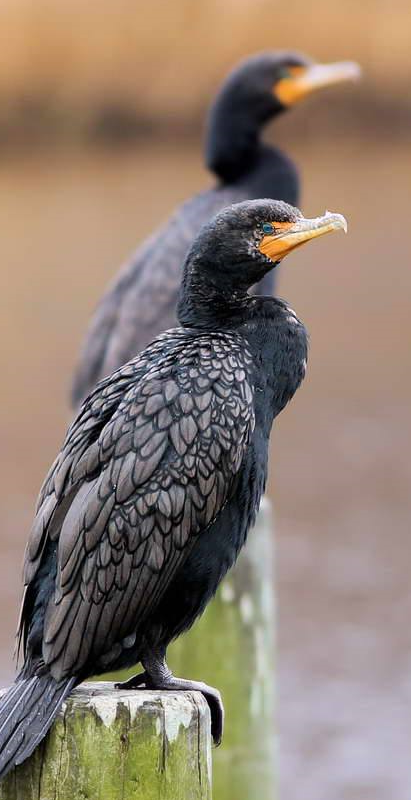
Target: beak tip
(344, 225)
(337, 220)
(354, 70)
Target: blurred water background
(101, 107)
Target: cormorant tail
(27, 711)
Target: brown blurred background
(101, 108)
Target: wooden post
(232, 647)
(120, 745)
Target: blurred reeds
(82, 67)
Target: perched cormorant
(140, 303)
(160, 477)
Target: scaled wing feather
(145, 478)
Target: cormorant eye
(284, 72)
(268, 228)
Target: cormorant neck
(231, 149)
(270, 168)
(233, 137)
(204, 303)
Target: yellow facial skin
(302, 81)
(289, 235)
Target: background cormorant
(140, 303)
(160, 477)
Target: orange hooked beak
(304, 80)
(287, 236)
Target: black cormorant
(160, 477)
(140, 303)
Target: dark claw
(216, 707)
(135, 682)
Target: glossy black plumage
(140, 302)
(158, 481)
(158, 473)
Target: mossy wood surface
(120, 745)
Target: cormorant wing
(126, 506)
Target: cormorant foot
(164, 680)
(212, 696)
(135, 682)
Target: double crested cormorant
(160, 477)
(141, 301)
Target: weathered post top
(120, 745)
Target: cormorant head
(237, 248)
(260, 87)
